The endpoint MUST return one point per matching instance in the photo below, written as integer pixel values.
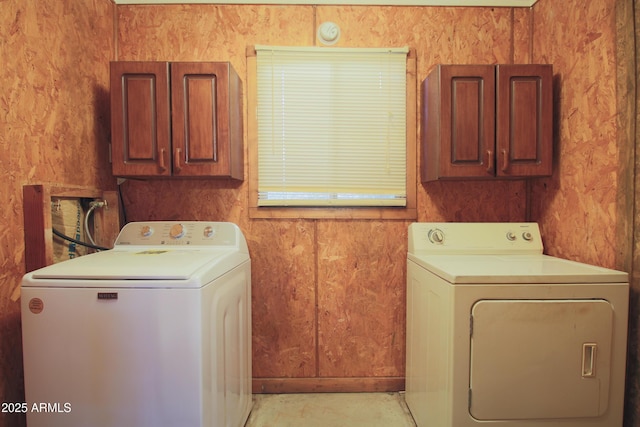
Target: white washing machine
(153, 333)
(500, 334)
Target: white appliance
(499, 334)
(153, 333)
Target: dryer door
(533, 359)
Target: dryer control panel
(475, 238)
(179, 233)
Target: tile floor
(330, 410)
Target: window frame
(408, 212)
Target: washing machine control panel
(179, 233)
(441, 238)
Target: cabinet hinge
(471, 326)
(469, 399)
(110, 161)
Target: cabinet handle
(176, 160)
(489, 162)
(589, 360)
(161, 160)
(505, 160)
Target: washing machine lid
(514, 269)
(153, 254)
(139, 267)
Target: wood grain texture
(284, 298)
(439, 34)
(361, 298)
(522, 40)
(208, 32)
(331, 385)
(577, 207)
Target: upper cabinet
(180, 119)
(487, 121)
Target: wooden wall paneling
(576, 208)
(38, 224)
(38, 248)
(328, 385)
(522, 41)
(283, 297)
(106, 224)
(200, 32)
(502, 201)
(361, 298)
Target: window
(331, 132)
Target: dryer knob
(436, 236)
(527, 236)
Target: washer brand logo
(107, 295)
(36, 305)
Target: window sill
(333, 213)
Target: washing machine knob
(177, 231)
(208, 232)
(436, 236)
(146, 231)
(511, 236)
(527, 236)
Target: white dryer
(153, 333)
(500, 334)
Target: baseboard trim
(328, 385)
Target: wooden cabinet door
(459, 122)
(524, 126)
(140, 119)
(206, 119)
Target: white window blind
(331, 126)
